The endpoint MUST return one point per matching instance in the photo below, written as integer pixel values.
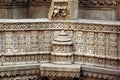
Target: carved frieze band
(25, 2)
(60, 73)
(23, 72)
(79, 74)
(58, 26)
(82, 3)
(97, 4)
(24, 59)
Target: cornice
(83, 4)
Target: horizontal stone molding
(26, 58)
(48, 70)
(82, 25)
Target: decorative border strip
(97, 4)
(59, 26)
(23, 72)
(60, 73)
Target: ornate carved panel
(90, 43)
(41, 40)
(34, 41)
(79, 42)
(48, 37)
(25, 72)
(8, 42)
(101, 44)
(21, 41)
(60, 25)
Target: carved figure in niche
(59, 9)
(63, 10)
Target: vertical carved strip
(21, 41)
(0, 42)
(0, 48)
(3, 42)
(113, 45)
(85, 42)
(118, 51)
(101, 44)
(111, 52)
(40, 40)
(95, 44)
(79, 42)
(90, 43)
(79, 47)
(8, 41)
(100, 56)
(15, 42)
(48, 37)
(28, 41)
(107, 44)
(34, 41)
(89, 56)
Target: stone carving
(48, 37)
(100, 76)
(59, 26)
(97, 4)
(41, 40)
(110, 63)
(21, 41)
(25, 72)
(59, 10)
(62, 10)
(31, 43)
(62, 49)
(34, 41)
(60, 73)
(8, 41)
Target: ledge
(71, 70)
(86, 21)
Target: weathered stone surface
(63, 10)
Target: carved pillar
(62, 49)
(63, 10)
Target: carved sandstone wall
(94, 44)
(96, 47)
